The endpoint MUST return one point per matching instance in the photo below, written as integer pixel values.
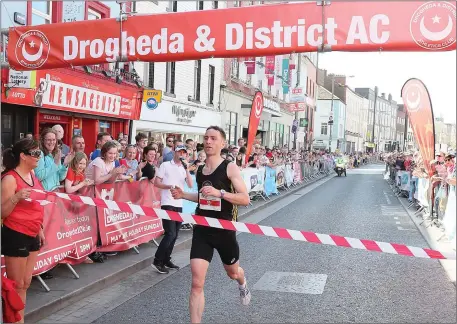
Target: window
(211, 84)
(197, 79)
(93, 15)
(200, 5)
(324, 128)
(235, 68)
(215, 5)
(237, 3)
(170, 78)
(173, 6)
(232, 120)
(41, 12)
(151, 75)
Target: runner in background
(221, 190)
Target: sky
(390, 70)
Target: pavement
(66, 290)
(294, 281)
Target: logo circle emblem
(258, 104)
(32, 49)
(413, 98)
(433, 25)
(152, 103)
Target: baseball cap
(180, 148)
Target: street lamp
(331, 112)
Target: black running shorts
(16, 244)
(205, 240)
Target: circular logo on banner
(432, 25)
(152, 103)
(258, 104)
(413, 98)
(32, 49)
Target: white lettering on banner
(271, 104)
(237, 36)
(89, 100)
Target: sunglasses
(34, 153)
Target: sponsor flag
(254, 119)
(285, 76)
(420, 112)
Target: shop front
(274, 126)
(174, 118)
(81, 103)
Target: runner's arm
(190, 196)
(241, 196)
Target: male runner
(221, 190)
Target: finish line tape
(348, 242)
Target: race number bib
(209, 203)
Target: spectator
(170, 174)
(190, 144)
(169, 156)
(167, 153)
(50, 170)
(241, 142)
(224, 153)
(78, 144)
(123, 144)
(102, 169)
(102, 138)
(76, 179)
(22, 229)
(147, 168)
(64, 148)
(130, 163)
(141, 142)
(120, 137)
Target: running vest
(212, 206)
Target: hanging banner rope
(283, 233)
(251, 31)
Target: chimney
(383, 95)
(390, 97)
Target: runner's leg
(199, 268)
(235, 272)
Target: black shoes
(171, 265)
(163, 268)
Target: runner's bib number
(210, 203)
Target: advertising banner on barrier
(120, 231)
(187, 205)
(297, 173)
(289, 175)
(250, 178)
(349, 26)
(280, 181)
(403, 179)
(449, 219)
(422, 191)
(270, 181)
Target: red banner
(420, 113)
(120, 231)
(251, 31)
(65, 89)
(254, 119)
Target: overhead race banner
(420, 112)
(252, 31)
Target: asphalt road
(360, 286)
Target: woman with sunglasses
(50, 170)
(22, 230)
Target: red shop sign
(54, 118)
(73, 91)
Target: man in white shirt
(171, 174)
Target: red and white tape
(348, 242)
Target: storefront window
(41, 12)
(7, 11)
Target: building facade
(84, 100)
(322, 139)
(370, 96)
(445, 135)
(191, 98)
(355, 122)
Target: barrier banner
(270, 181)
(260, 180)
(449, 219)
(297, 173)
(120, 231)
(250, 178)
(403, 180)
(70, 231)
(280, 181)
(422, 191)
(349, 26)
(289, 175)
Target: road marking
(293, 282)
(406, 229)
(387, 198)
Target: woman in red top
(22, 230)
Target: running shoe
(245, 295)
